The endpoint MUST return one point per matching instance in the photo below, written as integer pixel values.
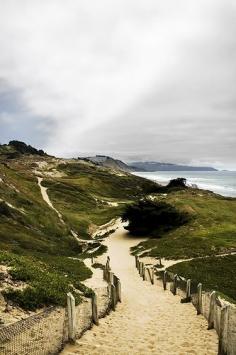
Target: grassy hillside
(210, 230)
(89, 195)
(34, 244)
(215, 273)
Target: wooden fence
(48, 331)
(113, 283)
(220, 315)
(114, 292)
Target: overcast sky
(136, 79)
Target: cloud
(148, 77)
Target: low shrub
(48, 280)
(150, 217)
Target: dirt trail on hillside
(148, 321)
(47, 199)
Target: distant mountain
(109, 162)
(157, 166)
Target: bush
(179, 182)
(149, 217)
(5, 210)
(23, 148)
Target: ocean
(220, 182)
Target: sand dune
(148, 321)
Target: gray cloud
(148, 79)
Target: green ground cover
(215, 273)
(83, 196)
(48, 279)
(33, 241)
(210, 230)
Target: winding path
(148, 321)
(47, 199)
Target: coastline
(219, 182)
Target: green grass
(81, 196)
(211, 229)
(215, 273)
(34, 242)
(49, 279)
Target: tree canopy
(153, 218)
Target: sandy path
(47, 199)
(148, 321)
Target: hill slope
(109, 162)
(157, 166)
(31, 232)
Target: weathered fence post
(153, 276)
(71, 316)
(108, 263)
(113, 297)
(110, 277)
(164, 280)
(104, 273)
(188, 289)
(224, 315)
(94, 309)
(144, 273)
(188, 292)
(175, 284)
(119, 290)
(141, 269)
(136, 261)
(211, 310)
(199, 298)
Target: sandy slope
(148, 321)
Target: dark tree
(23, 148)
(153, 218)
(179, 182)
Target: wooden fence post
(175, 284)
(113, 297)
(117, 284)
(144, 273)
(224, 315)
(110, 277)
(199, 298)
(188, 292)
(94, 309)
(104, 273)
(136, 261)
(118, 290)
(108, 263)
(153, 276)
(71, 316)
(164, 280)
(211, 310)
(188, 289)
(140, 268)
